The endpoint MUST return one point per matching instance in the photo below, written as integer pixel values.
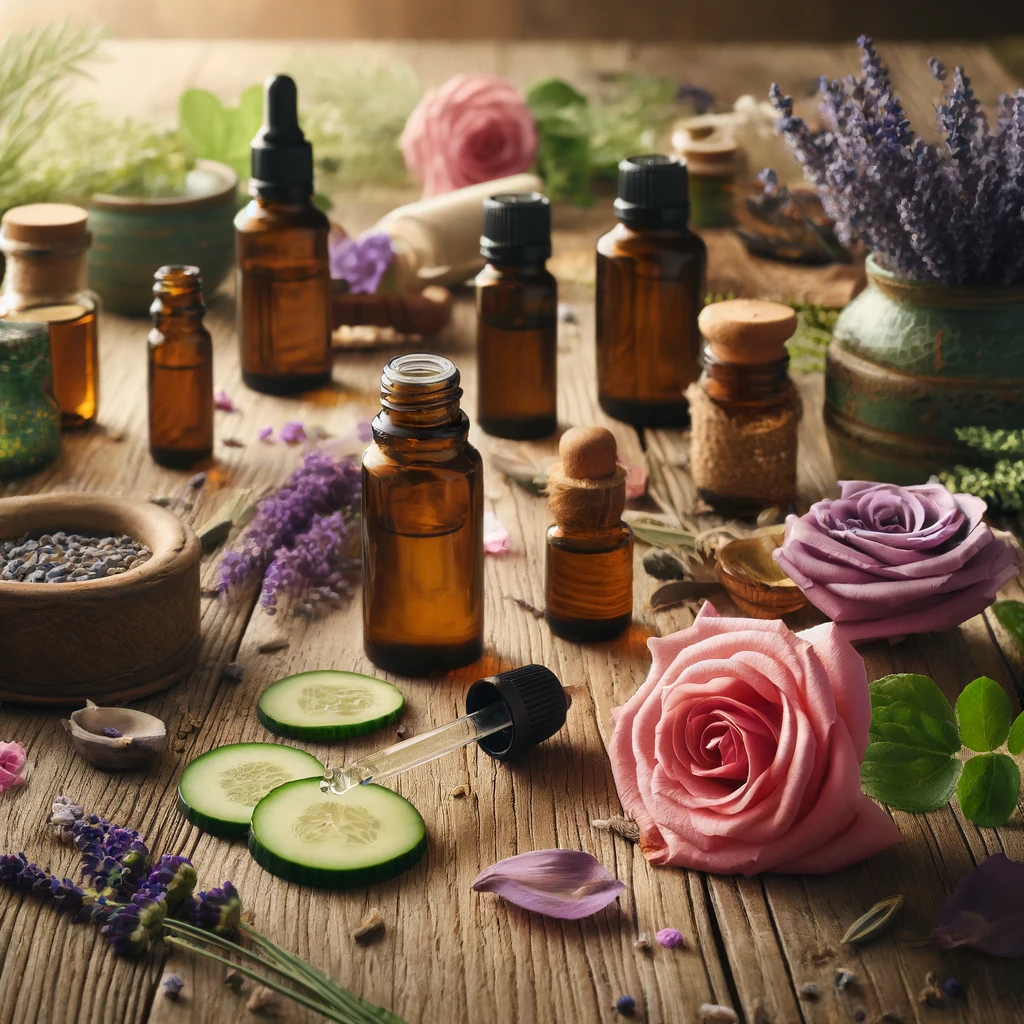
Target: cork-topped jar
(745, 409)
(589, 574)
(29, 416)
(45, 245)
(712, 159)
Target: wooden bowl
(105, 640)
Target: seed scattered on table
(68, 557)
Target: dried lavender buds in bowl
(62, 557)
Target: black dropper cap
(282, 158)
(517, 228)
(535, 700)
(654, 192)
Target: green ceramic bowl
(132, 238)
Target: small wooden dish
(753, 578)
(106, 640)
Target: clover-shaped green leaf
(988, 789)
(1015, 742)
(984, 713)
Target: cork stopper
(747, 330)
(46, 224)
(707, 147)
(587, 487)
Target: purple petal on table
(266, 434)
(293, 432)
(986, 910)
(223, 401)
(568, 884)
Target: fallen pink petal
(670, 938)
(636, 480)
(293, 432)
(223, 401)
(566, 884)
(986, 910)
(497, 540)
(266, 434)
(12, 764)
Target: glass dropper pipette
(506, 714)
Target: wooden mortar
(106, 640)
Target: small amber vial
(589, 549)
(651, 274)
(423, 523)
(517, 318)
(746, 411)
(45, 246)
(180, 371)
(284, 281)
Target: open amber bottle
(517, 317)
(45, 245)
(423, 513)
(589, 577)
(180, 371)
(651, 274)
(284, 280)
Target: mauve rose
(473, 128)
(883, 560)
(741, 752)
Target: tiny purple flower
(293, 432)
(173, 986)
(223, 401)
(218, 910)
(625, 1005)
(670, 938)
(111, 733)
(362, 262)
(266, 434)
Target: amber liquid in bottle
(422, 524)
(180, 371)
(589, 582)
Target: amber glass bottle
(517, 318)
(651, 275)
(45, 246)
(423, 513)
(746, 410)
(589, 578)
(284, 281)
(180, 371)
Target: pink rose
(741, 752)
(474, 128)
(883, 560)
(12, 761)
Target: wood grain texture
(449, 954)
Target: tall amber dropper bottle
(651, 274)
(284, 280)
(423, 524)
(517, 317)
(180, 371)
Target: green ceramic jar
(909, 363)
(29, 414)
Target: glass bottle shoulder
(388, 456)
(260, 216)
(611, 538)
(673, 248)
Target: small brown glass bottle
(45, 245)
(517, 318)
(180, 371)
(284, 281)
(589, 549)
(650, 287)
(423, 516)
(745, 408)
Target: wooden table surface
(451, 955)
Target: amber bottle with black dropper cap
(284, 281)
(517, 317)
(423, 522)
(180, 371)
(651, 273)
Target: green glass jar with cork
(29, 414)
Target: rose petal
(12, 761)
(636, 480)
(986, 910)
(567, 884)
(222, 400)
(497, 540)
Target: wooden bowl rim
(170, 540)
(173, 204)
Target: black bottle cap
(654, 192)
(282, 158)
(517, 228)
(535, 700)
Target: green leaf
(1010, 615)
(911, 759)
(1015, 742)
(203, 122)
(989, 789)
(984, 713)
(553, 94)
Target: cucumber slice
(329, 705)
(218, 790)
(367, 835)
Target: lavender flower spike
(218, 910)
(566, 884)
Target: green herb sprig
(1001, 485)
(911, 762)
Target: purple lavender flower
(173, 986)
(320, 485)
(171, 880)
(113, 858)
(218, 910)
(293, 432)
(111, 733)
(16, 872)
(63, 815)
(362, 262)
(132, 928)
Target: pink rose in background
(12, 763)
(741, 752)
(473, 128)
(883, 560)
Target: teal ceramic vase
(133, 238)
(909, 363)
